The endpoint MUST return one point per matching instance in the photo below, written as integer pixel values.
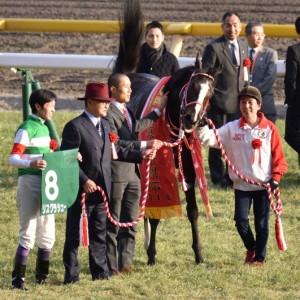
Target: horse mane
(183, 74)
(178, 77)
(131, 37)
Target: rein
(181, 135)
(84, 240)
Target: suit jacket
(122, 171)
(292, 76)
(263, 77)
(229, 83)
(96, 153)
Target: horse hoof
(151, 262)
(199, 260)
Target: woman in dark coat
(155, 58)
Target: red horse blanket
(163, 198)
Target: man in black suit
(292, 93)
(90, 133)
(229, 52)
(126, 190)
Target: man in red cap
(90, 133)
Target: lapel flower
(53, 145)
(246, 65)
(113, 138)
(256, 145)
(247, 62)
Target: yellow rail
(92, 26)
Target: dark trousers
(216, 165)
(261, 208)
(124, 207)
(97, 240)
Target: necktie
(232, 50)
(252, 54)
(125, 112)
(100, 129)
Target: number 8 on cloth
(60, 181)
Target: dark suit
(263, 77)
(96, 165)
(124, 203)
(223, 104)
(292, 97)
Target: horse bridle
(184, 90)
(183, 99)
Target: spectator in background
(32, 139)
(229, 52)
(292, 93)
(155, 58)
(263, 68)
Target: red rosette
(113, 138)
(246, 65)
(53, 145)
(247, 62)
(256, 143)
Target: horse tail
(131, 36)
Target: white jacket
(260, 164)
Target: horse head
(191, 100)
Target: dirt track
(70, 84)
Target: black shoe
(19, 284)
(42, 271)
(18, 277)
(101, 277)
(42, 281)
(71, 281)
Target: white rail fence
(79, 62)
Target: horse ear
(198, 61)
(216, 72)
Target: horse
(188, 90)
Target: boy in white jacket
(253, 145)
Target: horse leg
(150, 244)
(192, 213)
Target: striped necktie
(100, 129)
(251, 56)
(125, 112)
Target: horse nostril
(192, 119)
(189, 120)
